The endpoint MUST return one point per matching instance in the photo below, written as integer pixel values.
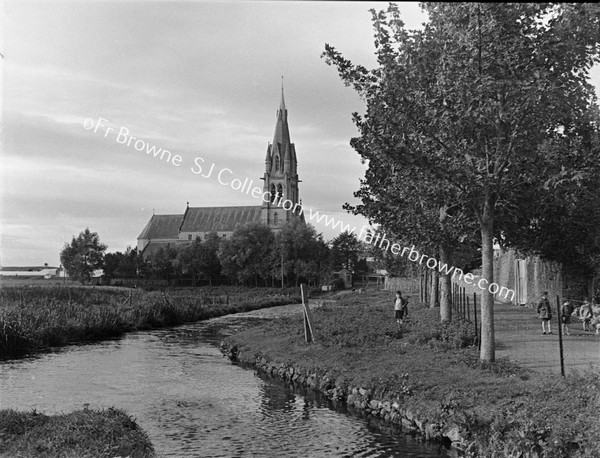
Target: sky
(200, 79)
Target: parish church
(280, 181)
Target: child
(545, 312)
(585, 314)
(566, 311)
(400, 307)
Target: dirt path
(519, 337)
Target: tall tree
(345, 249)
(83, 256)
(469, 102)
(302, 253)
(124, 265)
(163, 263)
(246, 255)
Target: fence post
(477, 333)
(468, 310)
(560, 341)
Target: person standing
(400, 307)
(566, 311)
(585, 314)
(545, 312)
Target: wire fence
(520, 338)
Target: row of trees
(253, 255)
(479, 128)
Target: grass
(37, 318)
(83, 433)
(433, 371)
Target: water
(193, 402)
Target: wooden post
(477, 333)
(468, 310)
(308, 327)
(560, 340)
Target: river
(193, 402)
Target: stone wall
(387, 408)
(541, 275)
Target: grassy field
(35, 318)
(433, 371)
(106, 433)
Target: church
(280, 182)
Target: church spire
(282, 145)
(282, 102)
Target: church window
(275, 219)
(279, 192)
(277, 163)
(273, 193)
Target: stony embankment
(426, 377)
(363, 399)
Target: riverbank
(37, 318)
(426, 377)
(106, 433)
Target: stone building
(282, 202)
(530, 276)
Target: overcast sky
(199, 79)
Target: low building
(44, 271)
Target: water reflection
(194, 402)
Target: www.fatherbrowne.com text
(226, 177)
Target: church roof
(162, 227)
(219, 219)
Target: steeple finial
(282, 103)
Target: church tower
(281, 175)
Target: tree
(344, 251)
(211, 267)
(564, 226)
(471, 102)
(123, 265)
(200, 258)
(83, 256)
(163, 263)
(246, 255)
(301, 252)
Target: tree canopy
(83, 256)
(480, 106)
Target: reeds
(36, 318)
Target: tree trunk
(433, 300)
(488, 344)
(446, 287)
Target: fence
(520, 339)
(405, 284)
(518, 331)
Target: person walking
(400, 307)
(545, 312)
(566, 311)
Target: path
(519, 337)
